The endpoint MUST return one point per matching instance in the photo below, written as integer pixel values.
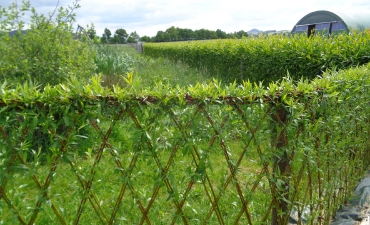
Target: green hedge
(206, 153)
(268, 58)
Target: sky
(147, 17)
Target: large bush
(44, 49)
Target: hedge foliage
(269, 58)
(325, 131)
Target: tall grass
(114, 61)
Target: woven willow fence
(149, 159)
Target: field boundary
(304, 152)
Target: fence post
(140, 45)
(281, 166)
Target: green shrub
(47, 52)
(268, 58)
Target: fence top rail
(28, 95)
(148, 100)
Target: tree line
(184, 34)
(120, 36)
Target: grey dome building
(326, 22)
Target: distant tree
(211, 34)
(134, 37)
(107, 33)
(186, 34)
(221, 34)
(204, 34)
(194, 35)
(130, 40)
(106, 36)
(173, 34)
(91, 32)
(145, 39)
(201, 34)
(181, 34)
(120, 36)
(160, 37)
(242, 33)
(232, 35)
(238, 34)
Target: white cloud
(149, 16)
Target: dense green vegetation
(268, 58)
(118, 138)
(191, 145)
(47, 52)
